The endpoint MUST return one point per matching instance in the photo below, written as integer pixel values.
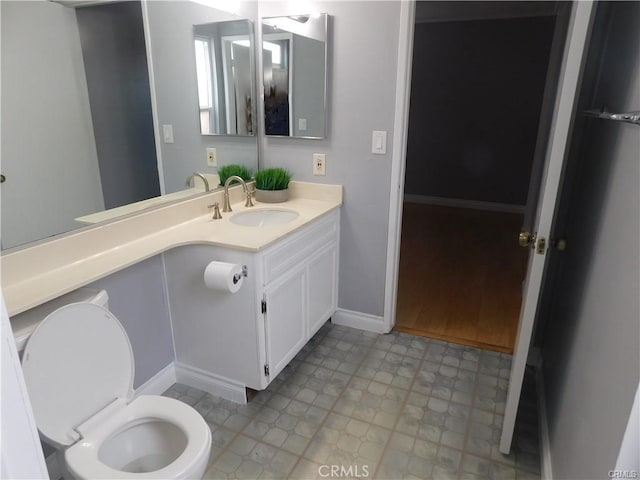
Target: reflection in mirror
(77, 125)
(171, 40)
(78, 112)
(294, 50)
(224, 69)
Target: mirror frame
(325, 83)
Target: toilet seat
(78, 366)
(76, 362)
(83, 458)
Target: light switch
(379, 142)
(302, 124)
(167, 133)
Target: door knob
(526, 239)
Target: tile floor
(354, 404)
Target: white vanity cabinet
(245, 339)
(285, 311)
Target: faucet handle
(216, 211)
(250, 195)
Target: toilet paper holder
(238, 276)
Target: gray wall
(47, 138)
(171, 25)
(591, 359)
(363, 46)
(475, 107)
(137, 297)
(115, 60)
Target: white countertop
(44, 271)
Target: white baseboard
(545, 447)
(362, 321)
(159, 383)
(210, 383)
(461, 203)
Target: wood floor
(461, 274)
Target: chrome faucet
(226, 206)
(196, 174)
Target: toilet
(78, 366)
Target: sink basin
(263, 218)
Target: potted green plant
(272, 185)
(227, 171)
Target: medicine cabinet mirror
(224, 53)
(294, 50)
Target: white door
(546, 113)
(577, 37)
(21, 451)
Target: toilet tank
(25, 323)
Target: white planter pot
(272, 196)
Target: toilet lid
(76, 362)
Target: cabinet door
(322, 286)
(285, 319)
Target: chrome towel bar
(628, 117)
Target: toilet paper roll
(223, 277)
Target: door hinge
(266, 369)
(264, 306)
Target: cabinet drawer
(293, 251)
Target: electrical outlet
(212, 157)
(319, 164)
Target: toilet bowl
(78, 366)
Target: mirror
(171, 32)
(224, 68)
(84, 130)
(294, 52)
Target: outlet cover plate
(319, 165)
(212, 157)
(379, 142)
